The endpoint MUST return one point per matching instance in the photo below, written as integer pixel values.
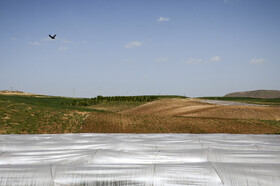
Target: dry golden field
(186, 116)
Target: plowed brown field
(192, 107)
(187, 116)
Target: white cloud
(47, 39)
(192, 61)
(215, 59)
(84, 42)
(67, 41)
(257, 61)
(161, 59)
(62, 48)
(34, 43)
(13, 38)
(225, 1)
(133, 44)
(162, 19)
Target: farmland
(187, 116)
(30, 114)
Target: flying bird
(53, 37)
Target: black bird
(53, 37)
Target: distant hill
(14, 92)
(256, 94)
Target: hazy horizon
(128, 47)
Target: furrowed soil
(186, 116)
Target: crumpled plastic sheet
(140, 159)
(222, 102)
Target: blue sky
(137, 47)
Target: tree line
(99, 99)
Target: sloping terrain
(30, 114)
(187, 116)
(193, 107)
(170, 107)
(131, 123)
(240, 112)
(256, 94)
(35, 115)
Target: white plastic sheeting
(140, 159)
(221, 102)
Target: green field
(30, 115)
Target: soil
(187, 116)
(195, 108)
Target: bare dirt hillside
(170, 107)
(187, 116)
(256, 94)
(240, 112)
(195, 108)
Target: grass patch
(115, 106)
(33, 115)
(272, 122)
(48, 102)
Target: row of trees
(99, 99)
(126, 98)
